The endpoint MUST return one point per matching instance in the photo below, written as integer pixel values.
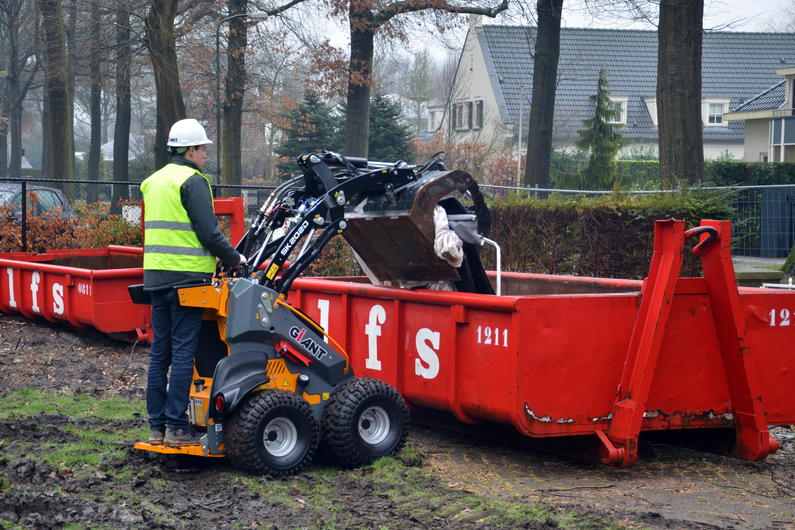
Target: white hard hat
(186, 133)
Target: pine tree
(601, 138)
(390, 135)
(313, 128)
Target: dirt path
(690, 488)
(670, 487)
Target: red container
(84, 288)
(88, 287)
(564, 356)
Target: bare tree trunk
(72, 58)
(679, 91)
(121, 133)
(542, 113)
(3, 147)
(15, 122)
(163, 53)
(357, 120)
(45, 130)
(235, 89)
(95, 68)
(160, 149)
(60, 116)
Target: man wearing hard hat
(182, 240)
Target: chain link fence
(763, 225)
(102, 212)
(84, 213)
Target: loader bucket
(393, 232)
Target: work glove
(243, 260)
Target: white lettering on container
(427, 354)
(373, 331)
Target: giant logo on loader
(308, 343)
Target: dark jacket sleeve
(197, 201)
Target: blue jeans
(175, 331)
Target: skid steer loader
(269, 384)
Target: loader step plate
(195, 450)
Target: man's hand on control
(243, 260)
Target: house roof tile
(734, 65)
(770, 99)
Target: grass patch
(26, 402)
(70, 454)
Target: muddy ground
(670, 487)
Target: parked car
(49, 199)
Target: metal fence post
(24, 216)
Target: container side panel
(770, 319)
(571, 356)
(487, 352)
(689, 383)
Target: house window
(469, 115)
(619, 104)
(459, 124)
(715, 114)
(712, 110)
(478, 114)
(619, 108)
(763, 157)
(431, 121)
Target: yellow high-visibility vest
(170, 242)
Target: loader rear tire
(364, 420)
(273, 433)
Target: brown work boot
(156, 436)
(182, 437)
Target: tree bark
(160, 148)
(60, 116)
(72, 59)
(542, 113)
(235, 90)
(357, 120)
(163, 53)
(45, 130)
(3, 147)
(95, 73)
(679, 92)
(121, 133)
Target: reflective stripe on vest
(171, 242)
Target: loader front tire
(273, 433)
(364, 420)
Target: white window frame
(651, 106)
(621, 119)
(705, 111)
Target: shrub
(98, 228)
(611, 236)
(46, 231)
(336, 259)
(749, 173)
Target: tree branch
(285, 7)
(409, 6)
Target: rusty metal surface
(395, 239)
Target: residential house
(769, 119)
(496, 63)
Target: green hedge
(611, 236)
(749, 173)
(646, 173)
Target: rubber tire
(245, 444)
(341, 418)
